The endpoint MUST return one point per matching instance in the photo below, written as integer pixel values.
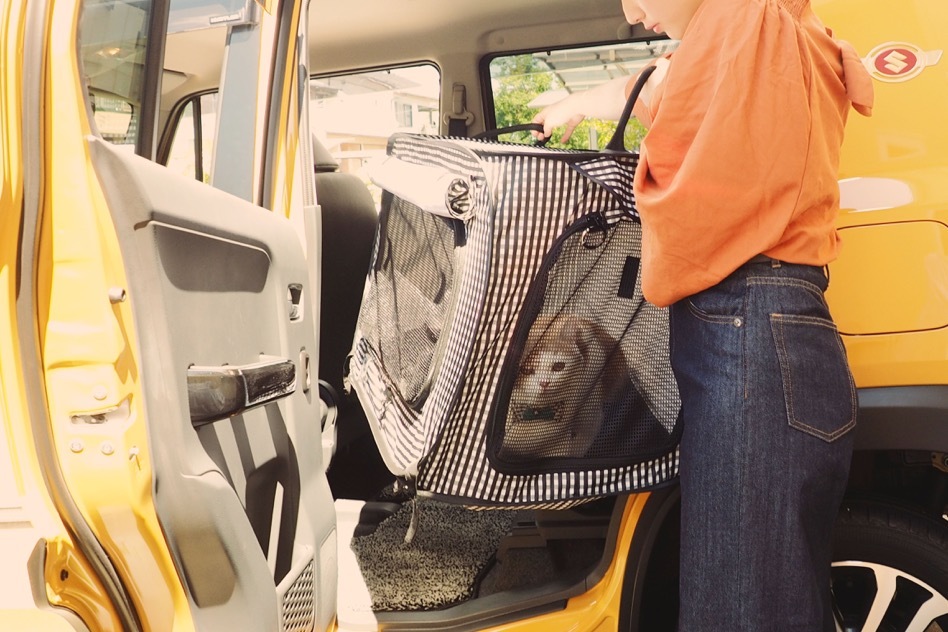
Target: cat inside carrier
(574, 383)
(504, 353)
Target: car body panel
(140, 274)
(889, 288)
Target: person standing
(737, 191)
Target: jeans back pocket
(817, 383)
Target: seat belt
(459, 118)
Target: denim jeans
(768, 404)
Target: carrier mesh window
(403, 316)
(570, 392)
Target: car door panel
(210, 279)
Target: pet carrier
(504, 353)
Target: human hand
(605, 101)
(566, 113)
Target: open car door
(164, 417)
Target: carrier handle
(617, 143)
(510, 129)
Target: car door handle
(219, 392)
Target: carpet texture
(441, 566)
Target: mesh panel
(403, 315)
(570, 390)
(298, 604)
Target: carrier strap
(510, 129)
(618, 137)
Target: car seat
(349, 220)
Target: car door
(165, 329)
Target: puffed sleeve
(726, 152)
(858, 82)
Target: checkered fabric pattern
(446, 304)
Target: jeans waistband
(763, 259)
(777, 263)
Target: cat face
(555, 358)
(548, 369)
(571, 373)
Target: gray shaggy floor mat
(440, 567)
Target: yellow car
(185, 230)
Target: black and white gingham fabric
(431, 418)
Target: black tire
(890, 569)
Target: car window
(354, 114)
(112, 39)
(198, 120)
(521, 85)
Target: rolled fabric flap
(433, 189)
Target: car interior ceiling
(380, 33)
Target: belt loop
(775, 263)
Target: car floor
(454, 554)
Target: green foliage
(519, 79)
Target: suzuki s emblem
(899, 61)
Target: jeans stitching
(744, 340)
(811, 287)
(800, 319)
(711, 318)
(742, 520)
(783, 358)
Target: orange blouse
(742, 152)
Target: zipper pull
(595, 223)
(406, 486)
(413, 523)
(598, 221)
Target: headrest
(323, 162)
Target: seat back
(349, 220)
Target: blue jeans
(768, 403)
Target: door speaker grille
(299, 607)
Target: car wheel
(890, 570)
